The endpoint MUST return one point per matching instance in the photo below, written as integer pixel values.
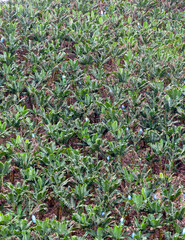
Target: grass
(92, 115)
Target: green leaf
(117, 231)
(114, 126)
(101, 20)
(100, 232)
(129, 20)
(1, 167)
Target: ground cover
(92, 114)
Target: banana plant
(116, 232)
(4, 170)
(17, 194)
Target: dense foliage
(92, 113)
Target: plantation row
(92, 114)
